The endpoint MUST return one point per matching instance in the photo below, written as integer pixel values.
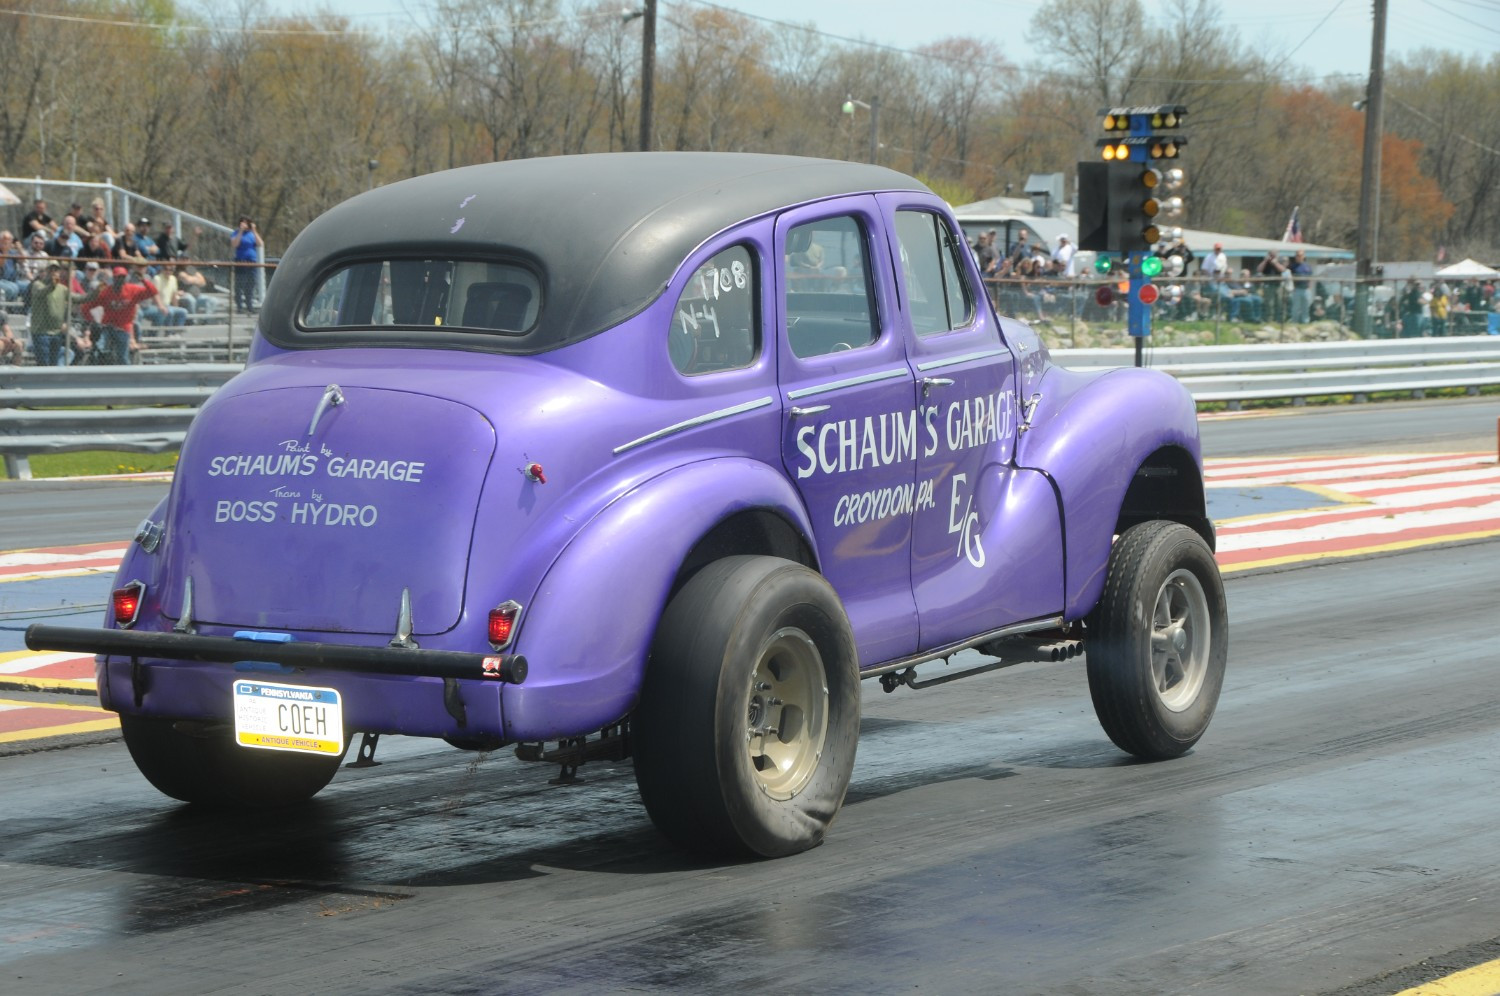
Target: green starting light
(1150, 266)
(1103, 264)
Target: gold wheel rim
(786, 714)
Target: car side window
(830, 299)
(936, 292)
(714, 325)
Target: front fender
(1090, 433)
(588, 631)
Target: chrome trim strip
(807, 392)
(1051, 622)
(692, 423)
(949, 361)
(186, 623)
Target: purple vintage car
(654, 455)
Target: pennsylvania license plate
(288, 717)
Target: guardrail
(1235, 374)
(66, 409)
(148, 408)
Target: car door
(980, 539)
(851, 434)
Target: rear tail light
(503, 624)
(126, 603)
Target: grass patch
(94, 463)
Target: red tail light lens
(503, 624)
(126, 603)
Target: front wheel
(745, 736)
(203, 765)
(1158, 640)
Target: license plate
(288, 717)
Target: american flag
(1293, 231)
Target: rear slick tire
(745, 736)
(203, 765)
(1158, 641)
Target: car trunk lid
(314, 508)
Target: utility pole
(1368, 242)
(648, 70)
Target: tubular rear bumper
(415, 662)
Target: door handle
(812, 410)
(928, 383)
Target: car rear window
(480, 296)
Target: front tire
(203, 765)
(1158, 641)
(745, 736)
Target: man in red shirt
(119, 300)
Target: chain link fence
(1091, 311)
(186, 293)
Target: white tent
(1468, 269)
(6, 197)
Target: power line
(1314, 31)
(1435, 122)
(176, 26)
(1466, 20)
(261, 31)
(1031, 71)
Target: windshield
(407, 293)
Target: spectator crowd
(90, 293)
(1031, 280)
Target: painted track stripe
(1438, 482)
(1353, 546)
(1481, 980)
(1374, 530)
(60, 561)
(1392, 472)
(44, 671)
(1217, 465)
(1324, 516)
(35, 721)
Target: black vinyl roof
(605, 232)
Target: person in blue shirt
(68, 241)
(246, 242)
(1301, 289)
(12, 279)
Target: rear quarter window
(714, 324)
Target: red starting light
(503, 624)
(1105, 296)
(1148, 294)
(126, 603)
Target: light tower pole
(1368, 238)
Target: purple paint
(922, 454)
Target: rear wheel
(745, 736)
(202, 764)
(1158, 641)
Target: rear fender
(588, 631)
(136, 565)
(1090, 433)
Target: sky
(1320, 37)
